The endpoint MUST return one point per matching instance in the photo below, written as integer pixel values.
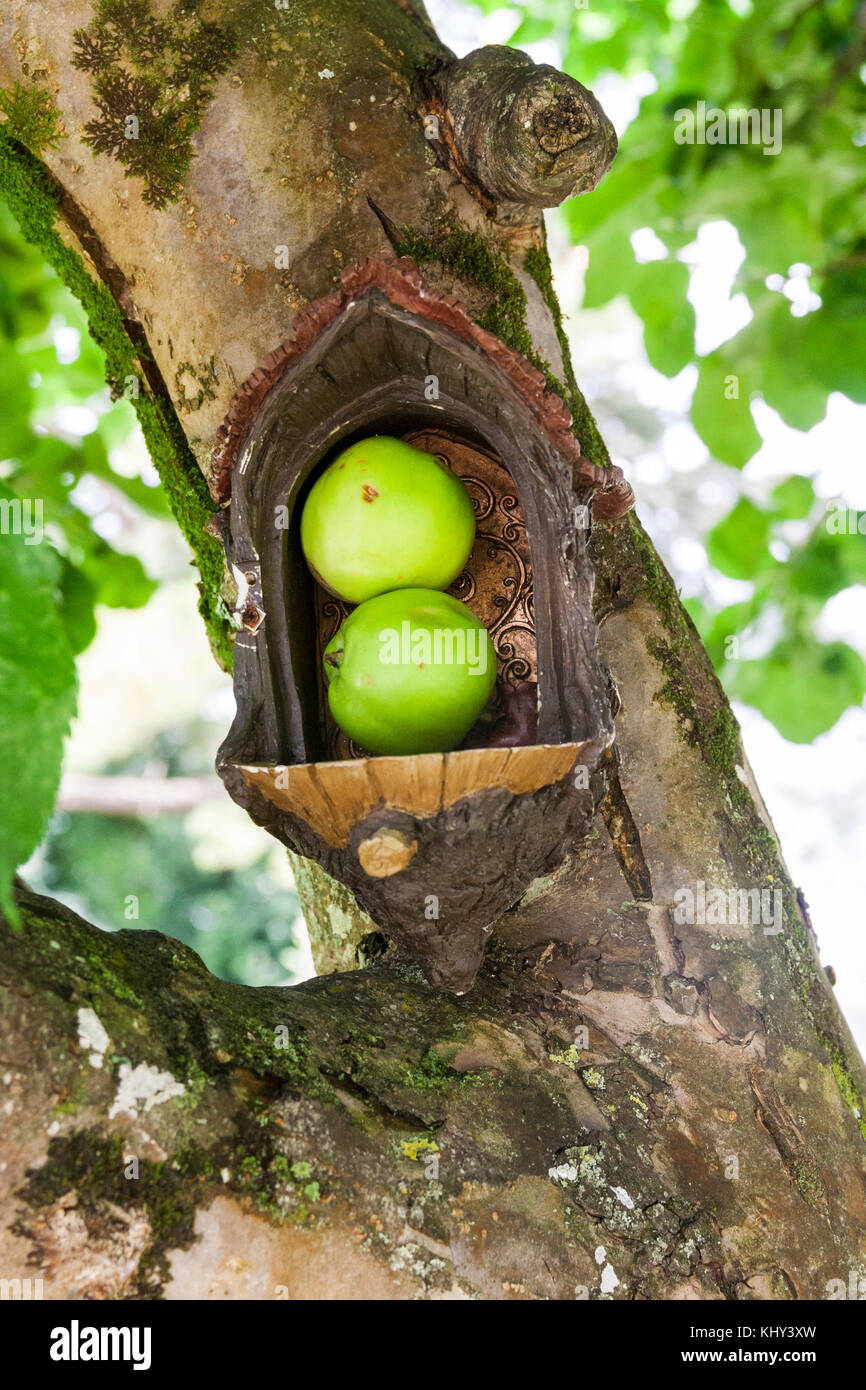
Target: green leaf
(94, 454)
(531, 29)
(717, 628)
(721, 414)
(120, 581)
(833, 349)
(737, 545)
(793, 499)
(786, 384)
(610, 272)
(830, 561)
(78, 599)
(658, 296)
(37, 679)
(802, 686)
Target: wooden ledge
(334, 797)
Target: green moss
(151, 79)
(469, 257)
(847, 1086)
(286, 1056)
(536, 263)
(280, 1165)
(723, 739)
(274, 1186)
(809, 1182)
(31, 117)
(205, 378)
(33, 197)
(94, 1167)
(434, 1074)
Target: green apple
(409, 672)
(386, 516)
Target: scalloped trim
(401, 281)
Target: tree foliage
(54, 566)
(799, 209)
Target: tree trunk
(636, 1099)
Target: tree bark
(627, 1105)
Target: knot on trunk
(519, 131)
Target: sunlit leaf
(802, 686)
(37, 691)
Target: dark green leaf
(37, 677)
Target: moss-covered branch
(34, 197)
(383, 1122)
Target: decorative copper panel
(496, 582)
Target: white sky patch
(108, 525)
(647, 246)
(842, 618)
(143, 1086)
(75, 420)
(829, 453)
(464, 27)
(714, 257)
(92, 1035)
(796, 288)
(814, 793)
(621, 97)
(67, 342)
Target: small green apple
(386, 516)
(409, 672)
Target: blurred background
(715, 301)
